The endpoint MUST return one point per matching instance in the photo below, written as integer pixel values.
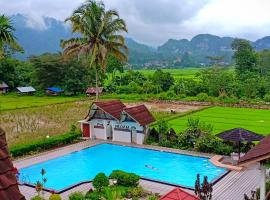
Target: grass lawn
(224, 118)
(14, 101)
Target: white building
(112, 120)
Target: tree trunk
(96, 84)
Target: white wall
(121, 136)
(140, 138)
(117, 135)
(98, 132)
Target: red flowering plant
(39, 186)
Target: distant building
(54, 91)
(112, 120)
(92, 91)
(178, 194)
(3, 87)
(26, 90)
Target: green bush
(267, 98)
(46, 143)
(125, 179)
(37, 198)
(202, 97)
(100, 181)
(55, 197)
(94, 195)
(153, 197)
(76, 196)
(136, 192)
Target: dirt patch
(167, 107)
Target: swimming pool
(65, 171)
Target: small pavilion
(178, 194)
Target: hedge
(44, 144)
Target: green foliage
(163, 79)
(8, 42)
(93, 195)
(153, 197)
(100, 181)
(245, 57)
(76, 196)
(267, 97)
(124, 178)
(37, 198)
(55, 197)
(41, 145)
(136, 192)
(203, 97)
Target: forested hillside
(201, 50)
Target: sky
(153, 22)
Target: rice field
(30, 124)
(224, 118)
(15, 101)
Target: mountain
(37, 39)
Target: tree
(264, 62)
(245, 57)
(114, 65)
(99, 35)
(164, 79)
(7, 38)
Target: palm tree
(7, 38)
(99, 35)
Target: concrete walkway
(232, 187)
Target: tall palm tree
(7, 38)
(99, 35)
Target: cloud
(155, 21)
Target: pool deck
(231, 187)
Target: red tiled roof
(178, 194)
(9, 189)
(140, 114)
(92, 90)
(114, 107)
(260, 151)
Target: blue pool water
(83, 165)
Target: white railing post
(262, 182)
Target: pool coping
(148, 147)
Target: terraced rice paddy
(224, 118)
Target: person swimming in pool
(150, 167)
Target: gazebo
(178, 194)
(259, 153)
(240, 135)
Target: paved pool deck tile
(232, 187)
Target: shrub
(76, 196)
(202, 97)
(100, 181)
(136, 192)
(153, 197)
(46, 143)
(125, 179)
(267, 98)
(55, 197)
(37, 198)
(94, 195)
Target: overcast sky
(155, 21)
